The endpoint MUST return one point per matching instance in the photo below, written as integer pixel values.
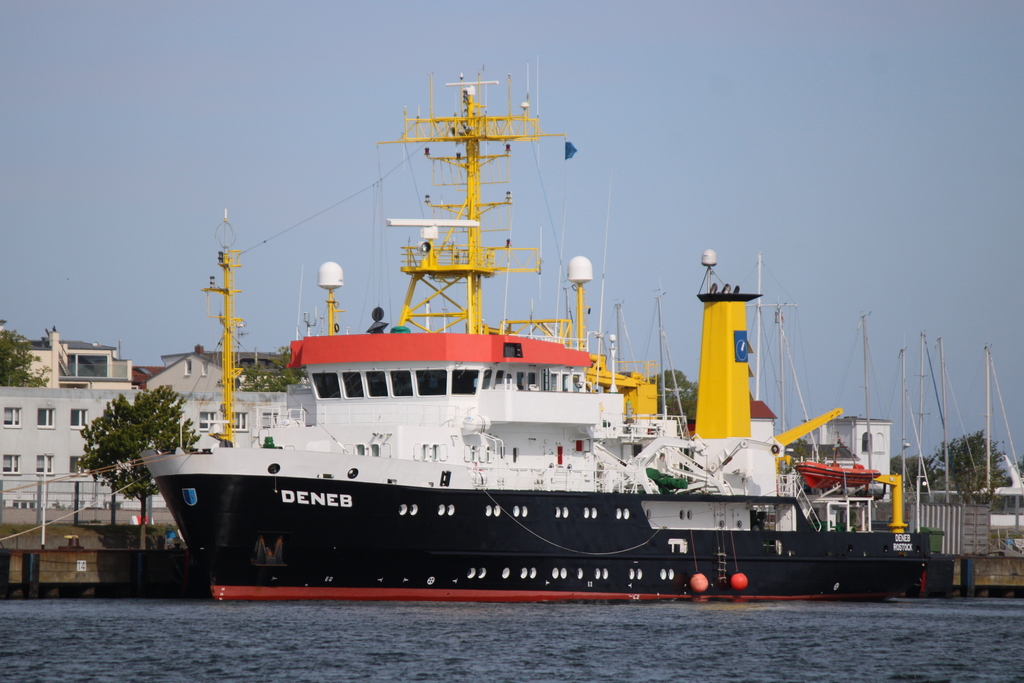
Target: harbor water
(183, 640)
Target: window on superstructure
(499, 378)
(531, 379)
(353, 384)
(377, 383)
(520, 380)
(464, 381)
(401, 383)
(487, 380)
(326, 384)
(565, 382)
(432, 382)
(513, 350)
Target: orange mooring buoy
(698, 583)
(738, 581)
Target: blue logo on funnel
(190, 496)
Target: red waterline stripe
(469, 595)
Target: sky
(871, 153)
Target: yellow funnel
(723, 395)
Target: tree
(16, 362)
(968, 473)
(114, 441)
(275, 378)
(682, 402)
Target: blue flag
(570, 149)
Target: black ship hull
(275, 538)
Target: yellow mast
(456, 256)
(227, 259)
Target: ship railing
(484, 476)
(413, 414)
(638, 427)
(792, 485)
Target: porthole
(586, 513)
(739, 523)
(471, 573)
(563, 573)
(632, 574)
(533, 572)
(597, 573)
(402, 509)
(515, 511)
(682, 514)
(689, 514)
(558, 513)
(671, 574)
(487, 511)
(593, 513)
(440, 509)
(451, 510)
(565, 512)
(505, 572)
(625, 513)
(721, 524)
(483, 572)
(554, 573)
(274, 468)
(353, 473)
(648, 513)
(618, 513)
(664, 574)
(604, 573)
(497, 510)
(525, 511)
(523, 574)
(413, 509)
(639, 573)
(579, 573)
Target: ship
(449, 459)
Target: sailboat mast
(867, 396)
(757, 346)
(988, 419)
(945, 426)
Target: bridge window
(487, 380)
(513, 350)
(377, 383)
(464, 381)
(432, 382)
(353, 384)
(326, 384)
(401, 383)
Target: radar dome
(581, 270)
(709, 258)
(330, 276)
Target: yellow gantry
(230, 372)
(455, 257)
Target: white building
(80, 365)
(41, 442)
(846, 440)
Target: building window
(206, 419)
(241, 422)
(44, 464)
(12, 417)
(79, 417)
(188, 367)
(206, 368)
(73, 464)
(12, 464)
(80, 365)
(44, 418)
(268, 419)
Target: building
(41, 443)
(846, 440)
(80, 365)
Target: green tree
(967, 469)
(16, 362)
(114, 441)
(275, 378)
(679, 392)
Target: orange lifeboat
(819, 475)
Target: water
(148, 640)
